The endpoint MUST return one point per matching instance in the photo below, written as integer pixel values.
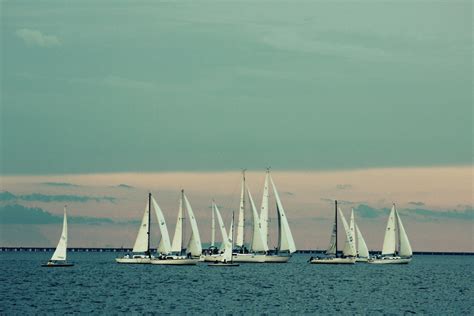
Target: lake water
(96, 284)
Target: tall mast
(335, 218)
(243, 204)
(397, 231)
(182, 221)
(213, 225)
(232, 239)
(149, 222)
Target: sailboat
(59, 256)
(361, 246)
(348, 252)
(394, 234)
(215, 253)
(226, 258)
(141, 253)
(175, 255)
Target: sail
(349, 247)
(257, 239)
(389, 239)
(332, 242)
(286, 238)
(141, 243)
(264, 212)
(194, 245)
(61, 249)
(221, 226)
(178, 232)
(164, 247)
(227, 255)
(405, 247)
(362, 249)
(352, 230)
(241, 225)
(213, 227)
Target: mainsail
(177, 244)
(264, 211)
(221, 226)
(349, 248)
(241, 225)
(141, 243)
(362, 249)
(331, 251)
(390, 234)
(61, 249)
(404, 243)
(286, 238)
(194, 245)
(227, 255)
(164, 247)
(213, 227)
(352, 229)
(257, 236)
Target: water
(428, 285)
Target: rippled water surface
(96, 284)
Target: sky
(121, 91)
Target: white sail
(349, 247)
(332, 242)
(227, 255)
(178, 232)
(390, 234)
(221, 226)
(241, 225)
(194, 245)
(141, 243)
(352, 230)
(257, 239)
(164, 247)
(213, 227)
(286, 238)
(61, 248)
(264, 211)
(362, 249)
(405, 247)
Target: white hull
(211, 258)
(174, 262)
(362, 259)
(390, 260)
(333, 260)
(248, 258)
(276, 259)
(134, 260)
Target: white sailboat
(394, 234)
(348, 252)
(225, 260)
(175, 254)
(361, 246)
(215, 253)
(141, 253)
(60, 254)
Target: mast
(335, 218)
(149, 222)
(232, 240)
(213, 225)
(397, 231)
(182, 221)
(279, 228)
(243, 205)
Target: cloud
(125, 186)
(19, 214)
(341, 202)
(417, 203)
(36, 38)
(365, 211)
(60, 184)
(7, 196)
(343, 186)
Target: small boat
(348, 252)
(176, 254)
(59, 256)
(359, 242)
(141, 253)
(393, 233)
(226, 260)
(213, 253)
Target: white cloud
(36, 38)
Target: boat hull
(276, 259)
(333, 261)
(133, 260)
(222, 264)
(175, 262)
(362, 259)
(390, 260)
(57, 265)
(248, 258)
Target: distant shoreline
(302, 251)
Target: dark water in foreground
(429, 285)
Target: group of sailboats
(170, 253)
(257, 250)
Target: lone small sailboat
(226, 259)
(175, 254)
(348, 252)
(59, 256)
(394, 234)
(361, 246)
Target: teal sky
(106, 86)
